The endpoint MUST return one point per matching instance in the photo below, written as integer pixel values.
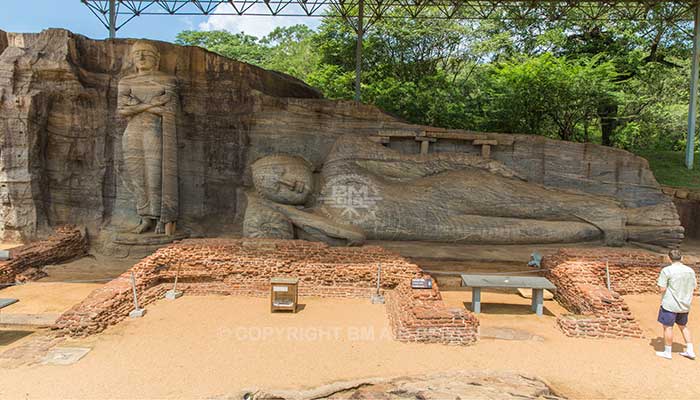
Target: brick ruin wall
(245, 266)
(66, 243)
(419, 315)
(580, 277)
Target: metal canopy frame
(361, 14)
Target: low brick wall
(244, 267)
(66, 243)
(419, 315)
(579, 275)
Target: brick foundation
(579, 275)
(245, 266)
(419, 315)
(66, 243)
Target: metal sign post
(377, 298)
(137, 312)
(693, 104)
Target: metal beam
(693, 104)
(112, 19)
(358, 50)
(509, 10)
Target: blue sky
(35, 15)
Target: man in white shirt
(677, 283)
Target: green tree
(291, 50)
(550, 95)
(621, 83)
(238, 46)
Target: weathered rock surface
(367, 191)
(61, 157)
(443, 386)
(61, 135)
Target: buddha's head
(145, 56)
(283, 178)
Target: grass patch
(670, 170)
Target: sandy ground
(201, 347)
(198, 347)
(46, 297)
(95, 267)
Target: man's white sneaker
(663, 354)
(688, 355)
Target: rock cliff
(60, 146)
(60, 135)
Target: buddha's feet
(146, 225)
(657, 225)
(663, 236)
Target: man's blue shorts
(668, 318)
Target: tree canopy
(621, 83)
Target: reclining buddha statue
(365, 191)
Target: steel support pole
(112, 19)
(358, 49)
(693, 106)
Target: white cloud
(251, 24)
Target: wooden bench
(536, 283)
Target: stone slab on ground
(146, 239)
(30, 351)
(501, 254)
(447, 385)
(65, 355)
(504, 333)
(42, 319)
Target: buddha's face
(145, 60)
(283, 179)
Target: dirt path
(199, 347)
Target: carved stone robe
(150, 145)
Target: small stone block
(137, 313)
(377, 299)
(4, 255)
(173, 294)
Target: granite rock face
(368, 191)
(61, 135)
(438, 386)
(61, 156)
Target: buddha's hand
(161, 100)
(157, 110)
